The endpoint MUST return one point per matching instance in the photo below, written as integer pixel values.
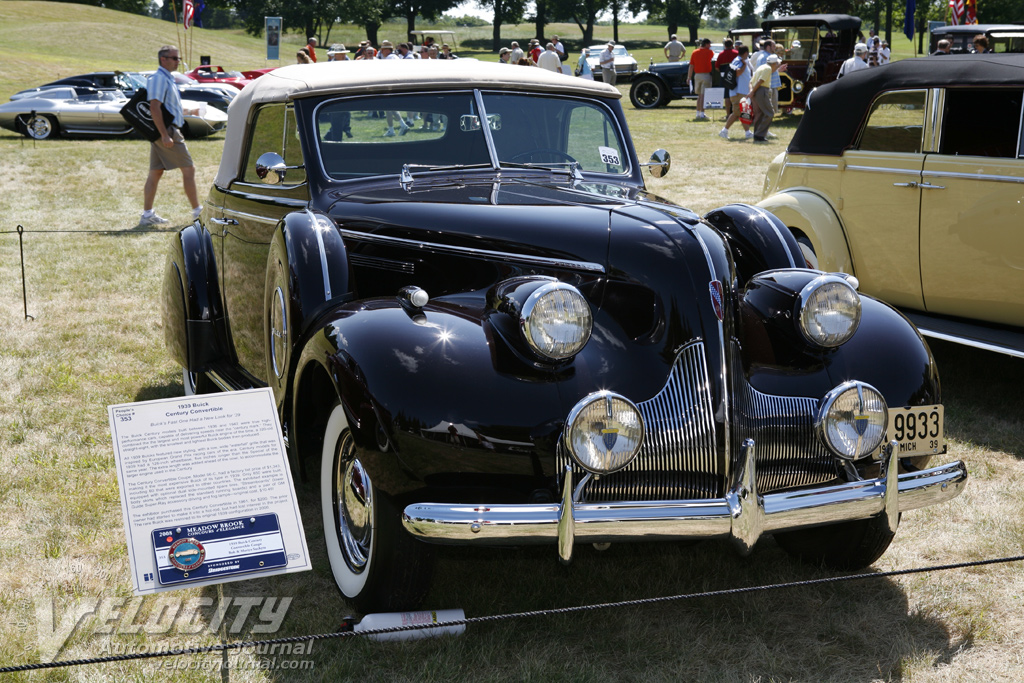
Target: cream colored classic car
(912, 178)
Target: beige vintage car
(911, 177)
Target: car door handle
(224, 221)
(904, 184)
(929, 186)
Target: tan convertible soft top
(380, 76)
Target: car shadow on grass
(981, 395)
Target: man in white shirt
(674, 50)
(549, 59)
(559, 48)
(607, 61)
(856, 62)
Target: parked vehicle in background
(218, 74)
(62, 111)
(218, 96)
(253, 74)
(1001, 37)
(99, 80)
(747, 36)
(625, 63)
(418, 38)
(889, 178)
(485, 331)
(659, 84)
(814, 46)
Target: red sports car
(217, 74)
(253, 74)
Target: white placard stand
(205, 463)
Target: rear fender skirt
(193, 316)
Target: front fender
(191, 305)
(757, 239)
(428, 403)
(808, 213)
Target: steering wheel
(542, 150)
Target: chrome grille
(678, 458)
(789, 455)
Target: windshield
(799, 43)
(374, 136)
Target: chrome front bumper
(742, 514)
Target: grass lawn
(97, 339)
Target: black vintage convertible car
(480, 328)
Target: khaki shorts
(701, 82)
(161, 158)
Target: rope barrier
(514, 615)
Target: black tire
(845, 546)
(40, 127)
(648, 93)
(376, 564)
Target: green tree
(505, 12)
(583, 13)
(430, 10)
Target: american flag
(971, 17)
(188, 12)
(956, 9)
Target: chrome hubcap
(353, 500)
(278, 332)
(39, 127)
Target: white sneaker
(749, 134)
(390, 133)
(701, 116)
(152, 219)
(404, 129)
(724, 133)
(770, 134)
(195, 212)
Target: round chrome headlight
(604, 432)
(556, 321)
(798, 87)
(829, 311)
(852, 419)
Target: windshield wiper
(572, 168)
(406, 177)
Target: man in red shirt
(725, 58)
(699, 74)
(311, 46)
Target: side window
(593, 141)
(1002, 107)
(274, 130)
(896, 123)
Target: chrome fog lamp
(556, 321)
(829, 311)
(604, 432)
(851, 420)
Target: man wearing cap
(503, 55)
(699, 74)
(535, 50)
(559, 48)
(549, 59)
(387, 51)
(674, 50)
(516, 54)
(760, 96)
(607, 61)
(856, 62)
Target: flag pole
(177, 30)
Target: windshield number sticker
(609, 156)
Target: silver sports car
(62, 111)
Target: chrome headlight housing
(829, 311)
(798, 87)
(556, 321)
(852, 419)
(604, 432)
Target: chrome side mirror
(469, 122)
(659, 164)
(270, 168)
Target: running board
(232, 379)
(1008, 341)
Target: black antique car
(480, 328)
(1001, 37)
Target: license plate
(917, 430)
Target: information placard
(206, 491)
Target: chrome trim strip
(974, 343)
(807, 164)
(778, 235)
(485, 124)
(253, 217)
(742, 514)
(471, 251)
(325, 272)
(974, 176)
(880, 169)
